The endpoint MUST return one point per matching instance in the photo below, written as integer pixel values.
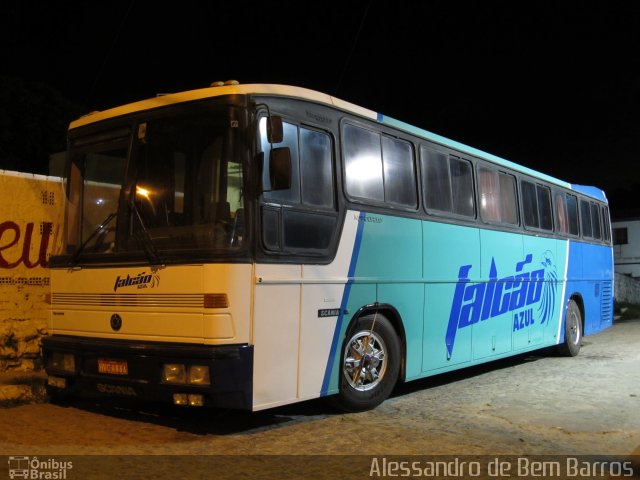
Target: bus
(250, 246)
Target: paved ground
(530, 405)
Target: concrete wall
(627, 289)
(31, 216)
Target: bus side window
(536, 203)
(379, 168)
(303, 218)
(363, 163)
(606, 225)
(316, 167)
(544, 207)
(498, 196)
(585, 219)
(508, 200)
(290, 139)
(448, 183)
(530, 204)
(595, 221)
(435, 168)
(489, 201)
(399, 172)
(572, 214)
(562, 224)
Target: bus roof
(307, 94)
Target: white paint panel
(169, 308)
(316, 335)
(170, 280)
(136, 325)
(627, 256)
(563, 305)
(292, 343)
(236, 280)
(191, 95)
(276, 336)
(218, 327)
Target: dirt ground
(539, 404)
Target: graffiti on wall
(16, 244)
(29, 223)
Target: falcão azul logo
(533, 284)
(142, 280)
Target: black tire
(572, 330)
(365, 385)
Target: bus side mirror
(280, 168)
(274, 129)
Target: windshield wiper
(145, 238)
(99, 229)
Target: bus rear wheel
(370, 364)
(572, 330)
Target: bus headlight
(174, 373)
(199, 375)
(62, 361)
(185, 374)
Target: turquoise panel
(408, 299)
(448, 249)
(505, 249)
(500, 253)
(437, 309)
(538, 323)
(391, 248)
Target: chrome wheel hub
(365, 360)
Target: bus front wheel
(572, 330)
(370, 363)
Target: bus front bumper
(182, 374)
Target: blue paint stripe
(594, 192)
(343, 306)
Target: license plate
(113, 367)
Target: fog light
(180, 399)
(62, 361)
(199, 375)
(196, 400)
(174, 373)
(57, 382)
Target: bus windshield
(173, 184)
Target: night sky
(552, 85)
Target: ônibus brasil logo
(476, 302)
(142, 280)
(34, 468)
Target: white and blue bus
(249, 246)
